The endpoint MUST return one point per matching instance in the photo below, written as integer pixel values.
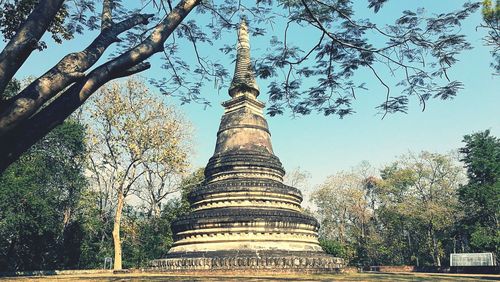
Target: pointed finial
(243, 79)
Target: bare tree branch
(65, 72)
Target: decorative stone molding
(244, 185)
(310, 262)
(231, 216)
(264, 202)
(244, 164)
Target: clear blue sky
(325, 145)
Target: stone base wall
(391, 268)
(318, 263)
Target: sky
(326, 145)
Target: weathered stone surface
(243, 78)
(244, 217)
(283, 262)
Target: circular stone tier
(249, 262)
(245, 229)
(246, 193)
(244, 164)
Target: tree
(422, 190)
(38, 203)
(132, 132)
(150, 237)
(297, 177)
(96, 221)
(480, 197)
(418, 48)
(181, 205)
(345, 213)
(158, 183)
(404, 216)
(491, 17)
(342, 200)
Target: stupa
(244, 218)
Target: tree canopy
(418, 47)
(404, 217)
(138, 146)
(38, 202)
(480, 197)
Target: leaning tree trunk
(116, 232)
(21, 132)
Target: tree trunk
(26, 39)
(116, 232)
(156, 210)
(434, 244)
(69, 69)
(28, 132)
(436, 251)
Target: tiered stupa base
(251, 262)
(246, 226)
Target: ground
(135, 277)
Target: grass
(136, 277)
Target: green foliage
(146, 237)
(480, 198)
(96, 223)
(491, 17)
(419, 199)
(70, 19)
(405, 217)
(38, 195)
(481, 156)
(419, 211)
(347, 251)
(332, 247)
(491, 13)
(33, 232)
(187, 185)
(13, 87)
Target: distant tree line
(416, 210)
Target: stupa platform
(251, 262)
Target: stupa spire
(243, 79)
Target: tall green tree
(480, 197)
(38, 201)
